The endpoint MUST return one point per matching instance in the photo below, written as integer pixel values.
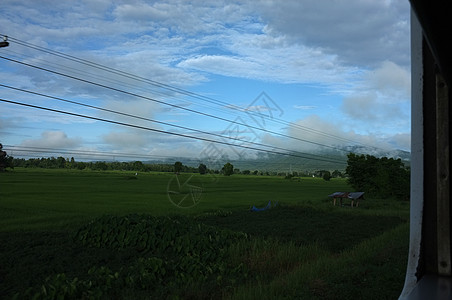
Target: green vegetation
(202, 169)
(87, 234)
(178, 166)
(228, 169)
(6, 161)
(382, 177)
(64, 163)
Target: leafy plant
(178, 251)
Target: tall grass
(374, 269)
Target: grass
(332, 229)
(373, 269)
(305, 248)
(40, 198)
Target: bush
(326, 175)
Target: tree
(5, 160)
(336, 174)
(60, 162)
(326, 175)
(100, 165)
(202, 169)
(81, 165)
(228, 169)
(2, 158)
(178, 166)
(383, 177)
(72, 164)
(137, 166)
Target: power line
(85, 73)
(30, 149)
(178, 90)
(172, 105)
(151, 120)
(163, 131)
(157, 158)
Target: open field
(304, 248)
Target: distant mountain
(307, 162)
(293, 162)
(395, 153)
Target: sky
(278, 76)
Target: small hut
(353, 196)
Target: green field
(86, 234)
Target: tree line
(228, 169)
(64, 163)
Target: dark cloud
(359, 32)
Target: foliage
(326, 175)
(5, 160)
(139, 166)
(336, 174)
(63, 163)
(156, 235)
(202, 169)
(383, 177)
(374, 269)
(175, 252)
(185, 256)
(178, 166)
(228, 169)
(289, 176)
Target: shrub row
(174, 254)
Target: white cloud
(284, 65)
(305, 107)
(357, 49)
(53, 139)
(286, 43)
(381, 100)
(359, 32)
(142, 108)
(126, 140)
(223, 65)
(400, 141)
(390, 80)
(332, 133)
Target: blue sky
(334, 73)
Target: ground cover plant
(104, 235)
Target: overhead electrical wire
(172, 105)
(85, 73)
(27, 150)
(174, 89)
(164, 131)
(31, 149)
(179, 90)
(152, 120)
